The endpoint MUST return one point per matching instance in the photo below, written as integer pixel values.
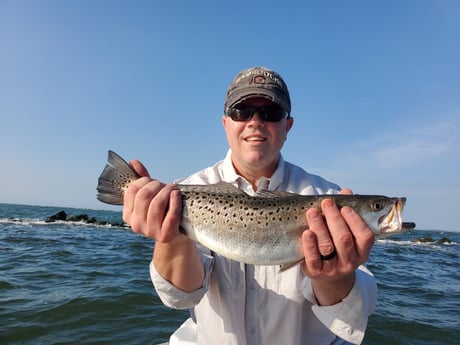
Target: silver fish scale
(255, 230)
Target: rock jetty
(84, 218)
(429, 239)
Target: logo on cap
(259, 79)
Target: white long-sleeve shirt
(248, 305)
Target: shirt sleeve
(176, 298)
(348, 318)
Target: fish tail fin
(114, 179)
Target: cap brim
(252, 92)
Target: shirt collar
(228, 170)
(230, 175)
(279, 174)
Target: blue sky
(375, 87)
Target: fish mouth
(392, 221)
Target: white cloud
(420, 162)
(408, 147)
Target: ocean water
(77, 283)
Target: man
(324, 300)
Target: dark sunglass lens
(271, 114)
(267, 114)
(242, 114)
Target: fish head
(383, 215)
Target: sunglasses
(266, 114)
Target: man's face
(256, 144)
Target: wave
(41, 222)
(416, 243)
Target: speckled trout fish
(263, 229)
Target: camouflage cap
(258, 82)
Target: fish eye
(377, 205)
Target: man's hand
(336, 244)
(154, 209)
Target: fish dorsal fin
(216, 188)
(228, 188)
(272, 194)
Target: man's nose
(255, 118)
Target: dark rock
(61, 215)
(91, 220)
(443, 240)
(431, 240)
(120, 225)
(424, 240)
(78, 218)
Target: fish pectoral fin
(285, 267)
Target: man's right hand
(152, 208)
